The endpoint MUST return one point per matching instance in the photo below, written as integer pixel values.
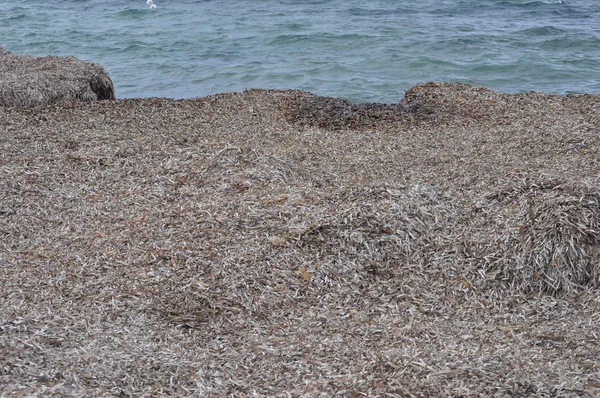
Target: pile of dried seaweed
(273, 243)
(547, 237)
(33, 81)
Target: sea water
(362, 50)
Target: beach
(280, 243)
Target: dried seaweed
(550, 237)
(240, 245)
(34, 81)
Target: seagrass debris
(547, 236)
(228, 246)
(32, 81)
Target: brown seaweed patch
(336, 114)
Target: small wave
(132, 48)
(542, 31)
(529, 3)
(343, 39)
(15, 18)
(376, 12)
(289, 39)
(133, 12)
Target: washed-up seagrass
(278, 243)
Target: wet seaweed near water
(337, 114)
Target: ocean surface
(365, 51)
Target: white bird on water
(151, 4)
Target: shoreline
(356, 102)
(37, 80)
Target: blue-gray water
(363, 50)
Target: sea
(361, 50)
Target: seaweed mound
(32, 81)
(546, 236)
